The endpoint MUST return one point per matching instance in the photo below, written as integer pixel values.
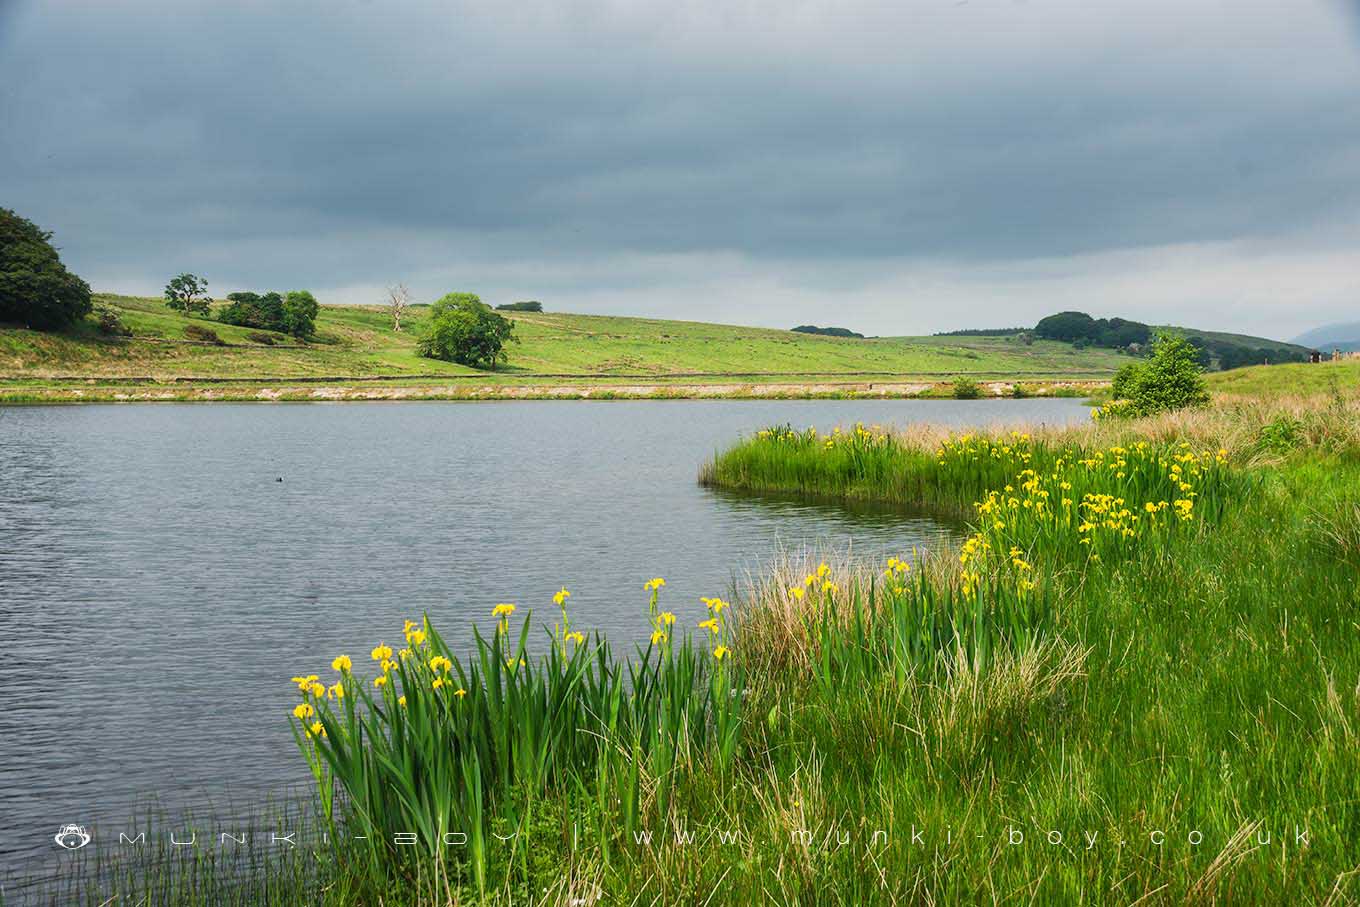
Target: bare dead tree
(398, 298)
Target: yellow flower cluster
(716, 626)
(1109, 497)
(503, 611)
(820, 579)
(895, 574)
(860, 436)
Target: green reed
(448, 751)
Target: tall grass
(435, 757)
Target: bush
(1170, 379)
(259, 337)
(966, 389)
(188, 293)
(35, 288)
(1281, 435)
(205, 335)
(1123, 381)
(465, 330)
(110, 323)
(531, 305)
(1018, 391)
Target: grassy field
(1295, 379)
(355, 345)
(1137, 680)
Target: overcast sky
(895, 168)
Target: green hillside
(358, 342)
(1246, 340)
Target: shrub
(465, 330)
(110, 323)
(35, 288)
(1281, 435)
(1170, 379)
(966, 389)
(531, 305)
(1018, 391)
(1123, 380)
(202, 334)
(260, 337)
(188, 293)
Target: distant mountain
(1345, 336)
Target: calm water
(158, 584)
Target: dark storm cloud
(336, 144)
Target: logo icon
(72, 837)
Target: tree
(251, 310)
(465, 330)
(188, 293)
(1068, 326)
(398, 298)
(1170, 379)
(300, 309)
(1083, 330)
(35, 288)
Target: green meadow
(356, 345)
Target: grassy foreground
(1137, 681)
(356, 354)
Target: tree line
(1081, 330)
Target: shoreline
(151, 390)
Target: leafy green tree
(1170, 379)
(300, 309)
(464, 329)
(1068, 326)
(35, 288)
(188, 293)
(251, 310)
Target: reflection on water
(159, 583)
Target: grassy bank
(357, 354)
(1292, 380)
(1137, 680)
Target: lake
(159, 584)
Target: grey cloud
(332, 145)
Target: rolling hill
(357, 342)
